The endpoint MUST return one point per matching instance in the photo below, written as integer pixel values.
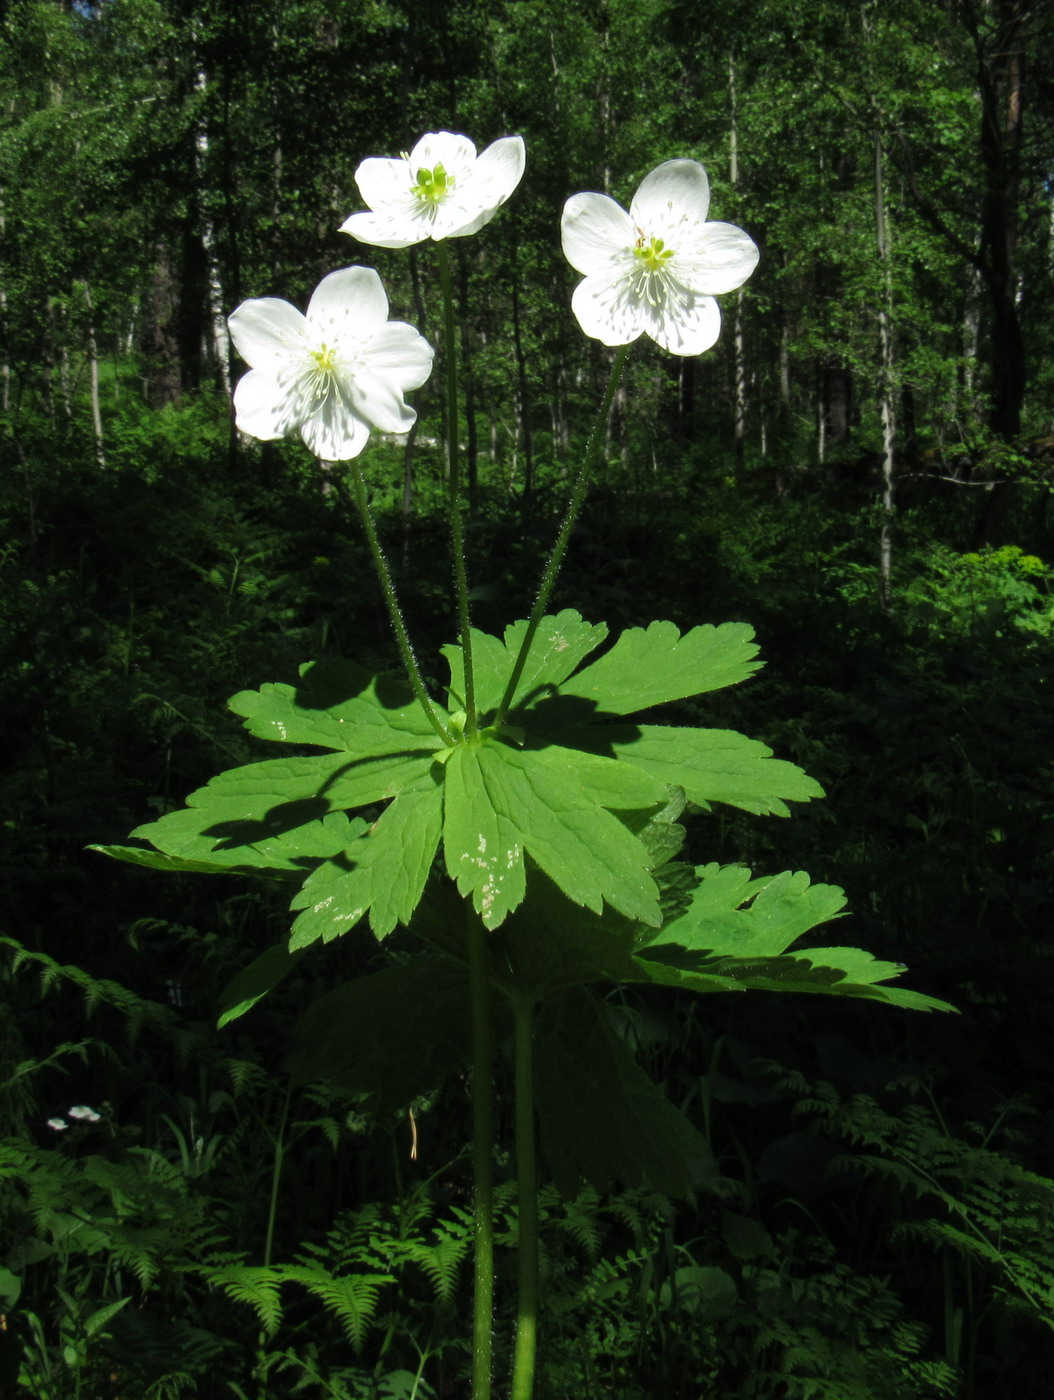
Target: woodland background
(862, 469)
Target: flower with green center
(333, 374)
(442, 189)
(657, 269)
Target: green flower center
(433, 185)
(654, 254)
(325, 359)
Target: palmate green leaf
(552, 804)
(601, 1116)
(735, 935)
(737, 932)
(391, 1035)
(565, 785)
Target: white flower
(442, 189)
(332, 375)
(82, 1110)
(657, 268)
(59, 1125)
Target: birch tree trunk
(217, 320)
(93, 366)
(885, 380)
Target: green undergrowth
(877, 1220)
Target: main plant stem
(482, 1154)
(457, 538)
(402, 637)
(574, 505)
(527, 1195)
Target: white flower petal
(676, 193)
(335, 433)
(268, 331)
(396, 360)
(687, 330)
(347, 306)
(390, 229)
(719, 260)
(58, 1124)
(455, 153)
(486, 187)
(593, 231)
(383, 181)
(267, 407)
(606, 310)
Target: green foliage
(993, 1212)
(541, 782)
(979, 595)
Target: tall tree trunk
(885, 380)
(1001, 81)
(217, 322)
(160, 342)
(93, 365)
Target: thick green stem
(574, 505)
(402, 637)
(482, 1155)
(457, 540)
(527, 1194)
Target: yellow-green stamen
(324, 358)
(433, 185)
(654, 255)
(651, 280)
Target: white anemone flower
(82, 1110)
(333, 374)
(442, 189)
(657, 269)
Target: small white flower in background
(82, 1111)
(59, 1125)
(333, 374)
(442, 189)
(657, 269)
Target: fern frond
(352, 1298)
(253, 1284)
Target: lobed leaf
(718, 765)
(381, 874)
(502, 802)
(339, 705)
(653, 665)
(559, 645)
